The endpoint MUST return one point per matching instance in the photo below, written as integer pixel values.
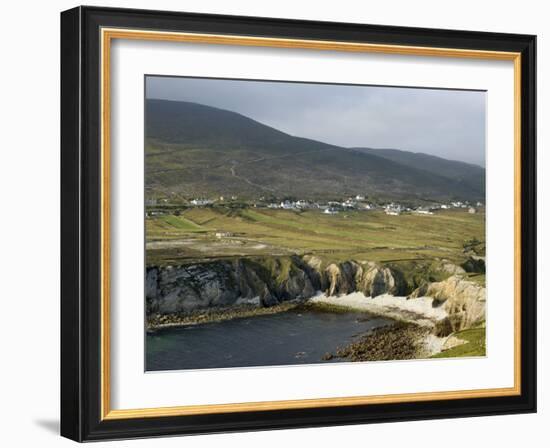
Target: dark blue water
(291, 337)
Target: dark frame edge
(71, 379)
(529, 222)
(80, 375)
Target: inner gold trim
(107, 35)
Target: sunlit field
(216, 232)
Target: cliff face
(176, 289)
(463, 301)
(270, 281)
(265, 282)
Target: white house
(393, 209)
(200, 202)
(287, 205)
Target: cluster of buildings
(465, 204)
(397, 209)
(357, 202)
(330, 207)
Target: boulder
(474, 264)
(450, 268)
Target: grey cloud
(445, 123)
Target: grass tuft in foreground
(475, 345)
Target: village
(157, 207)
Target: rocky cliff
(463, 301)
(263, 281)
(272, 280)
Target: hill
(194, 150)
(472, 176)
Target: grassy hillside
(199, 151)
(470, 175)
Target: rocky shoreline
(159, 321)
(428, 301)
(399, 341)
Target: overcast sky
(445, 123)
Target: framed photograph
(272, 223)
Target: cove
(286, 338)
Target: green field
(202, 233)
(475, 344)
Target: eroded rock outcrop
(377, 280)
(463, 300)
(341, 278)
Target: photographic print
(299, 223)
(260, 201)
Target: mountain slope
(195, 150)
(468, 174)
